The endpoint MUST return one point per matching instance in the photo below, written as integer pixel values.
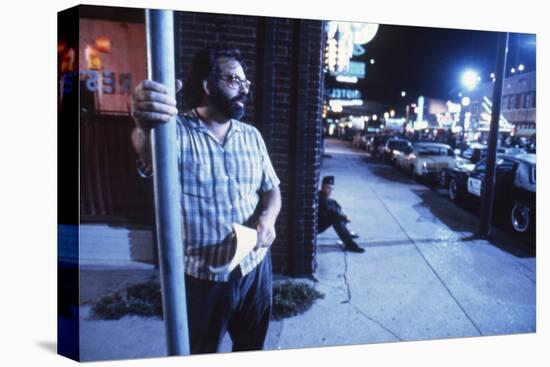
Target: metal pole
(486, 211)
(160, 54)
(462, 124)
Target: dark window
(519, 101)
(528, 100)
(505, 103)
(512, 101)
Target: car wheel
(519, 216)
(453, 189)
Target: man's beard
(228, 107)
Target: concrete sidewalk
(422, 277)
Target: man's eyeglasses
(234, 82)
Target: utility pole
(160, 57)
(486, 211)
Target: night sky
(429, 61)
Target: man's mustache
(240, 98)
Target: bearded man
(226, 177)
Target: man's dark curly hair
(205, 66)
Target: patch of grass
(142, 300)
(291, 299)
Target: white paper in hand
(246, 241)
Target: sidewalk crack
(348, 300)
(389, 331)
(345, 276)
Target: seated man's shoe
(353, 234)
(354, 248)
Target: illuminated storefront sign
(345, 102)
(347, 79)
(343, 42)
(111, 58)
(341, 93)
(355, 69)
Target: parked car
(356, 141)
(364, 140)
(470, 156)
(475, 152)
(427, 159)
(515, 188)
(374, 144)
(511, 150)
(394, 147)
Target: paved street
(423, 276)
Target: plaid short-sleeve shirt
(220, 185)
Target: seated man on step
(330, 214)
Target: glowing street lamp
(403, 93)
(470, 79)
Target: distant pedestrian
(331, 215)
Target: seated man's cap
(328, 180)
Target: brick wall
(284, 58)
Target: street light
(470, 79)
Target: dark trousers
(241, 307)
(339, 226)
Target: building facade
(518, 105)
(284, 59)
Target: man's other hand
(266, 232)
